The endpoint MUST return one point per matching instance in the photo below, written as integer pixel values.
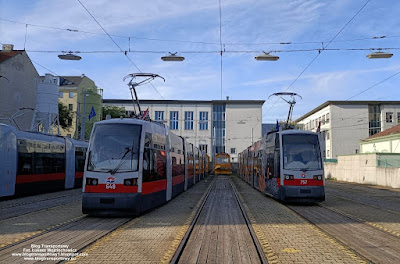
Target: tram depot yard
(355, 224)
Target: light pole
(83, 119)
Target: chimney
(83, 75)
(8, 47)
(227, 98)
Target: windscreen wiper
(123, 159)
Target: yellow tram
(222, 164)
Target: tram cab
(222, 164)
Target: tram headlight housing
(130, 182)
(91, 181)
(289, 177)
(317, 177)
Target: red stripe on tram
(304, 182)
(40, 177)
(102, 188)
(152, 187)
(78, 175)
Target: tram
(34, 163)
(286, 165)
(134, 165)
(222, 165)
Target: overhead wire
(319, 53)
(126, 55)
(200, 42)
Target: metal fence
(388, 160)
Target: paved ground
(152, 237)
(373, 205)
(220, 234)
(287, 237)
(21, 227)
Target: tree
(113, 111)
(65, 116)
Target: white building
(18, 80)
(387, 141)
(345, 123)
(229, 125)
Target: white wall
(350, 124)
(362, 169)
(384, 146)
(20, 91)
(241, 121)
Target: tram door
(277, 166)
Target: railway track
(27, 206)
(220, 231)
(77, 235)
(369, 242)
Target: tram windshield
(301, 152)
(222, 160)
(114, 147)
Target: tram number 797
(303, 181)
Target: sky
(151, 29)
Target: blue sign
(92, 113)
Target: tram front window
(301, 152)
(114, 147)
(222, 160)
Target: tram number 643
(303, 181)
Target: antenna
(292, 102)
(147, 77)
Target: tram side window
(25, 165)
(80, 159)
(154, 161)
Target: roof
(390, 131)
(345, 103)
(70, 81)
(5, 55)
(124, 101)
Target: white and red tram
(134, 165)
(286, 165)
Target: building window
(389, 117)
(70, 122)
(327, 136)
(398, 117)
(327, 118)
(61, 95)
(374, 115)
(173, 120)
(71, 94)
(70, 107)
(323, 119)
(203, 120)
(233, 150)
(218, 128)
(327, 153)
(203, 147)
(159, 116)
(188, 120)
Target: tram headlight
(91, 181)
(317, 177)
(289, 177)
(130, 182)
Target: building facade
(75, 92)
(216, 126)
(387, 141)
(17, 87)
(345, 123)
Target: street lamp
(266, 57)
(379, 55)
(173, 57)
(69, 56)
